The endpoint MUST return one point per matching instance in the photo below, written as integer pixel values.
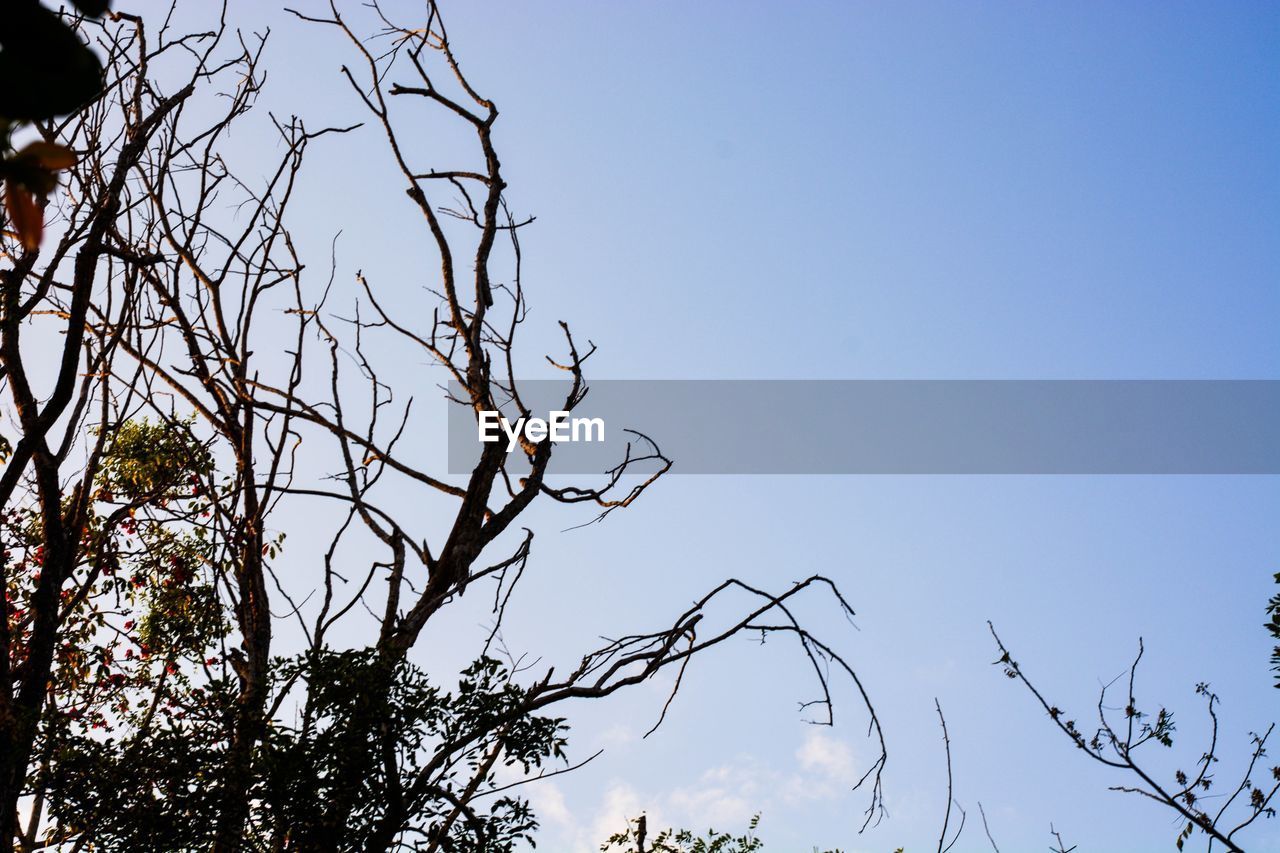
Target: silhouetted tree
(175, 378)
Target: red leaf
(25, 215)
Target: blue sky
(857, 190)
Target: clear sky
(875, 190)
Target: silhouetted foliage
(1117, 736)
(635, 838)
(1273, 627)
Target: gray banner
(909, 427)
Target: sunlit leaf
(48, 155)
(26, 217)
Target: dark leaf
(92, 8)
(45, 70)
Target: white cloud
(725, 796)
(621, 804)
(549, 804)
(828, 757)
(618, 735)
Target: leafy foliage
(362, 708)
(94, 784)
(359, 706)
(1273, 626)
(136, 682)
(153, 460)
(684, 841)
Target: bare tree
(146, 701)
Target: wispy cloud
(723, 796)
